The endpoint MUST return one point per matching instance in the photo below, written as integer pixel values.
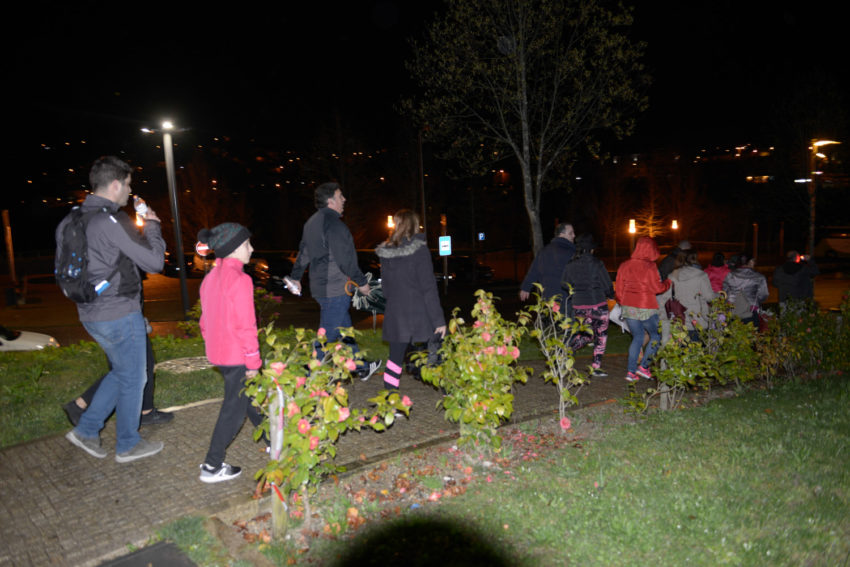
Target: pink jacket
(228, 322)
(716, 274)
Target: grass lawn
(757, 480)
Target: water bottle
(140, 206)
(290, 285)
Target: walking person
(114, 318)
(229, 327)
(150, 414)
(795, 278)
(548, 266)
(692, 288)
(413, 313)
(745, 288)
(637, 284)
(591, 288)
(327, 248)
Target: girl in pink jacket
(229, 327)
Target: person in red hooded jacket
(638, 282)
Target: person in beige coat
(692, 287)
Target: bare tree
(531, 80)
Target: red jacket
(638, 280)
(228, 322)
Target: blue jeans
(333, 314)
(637, 329)
(123, 341)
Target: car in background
(834, 244)
(197, 266)
(11, 340)
(463, 269)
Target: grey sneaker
(89, 445)
(140, 451)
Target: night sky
(274, 69)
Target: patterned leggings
(598, 319)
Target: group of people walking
(644, 285)
(566, 269)
(118, 252)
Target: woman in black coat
(413, 313)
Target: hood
(406, 248)
(686, 273)
(645, 249)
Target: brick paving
(59, 506)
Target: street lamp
(632, 232)
(168, 149)
(814, 152)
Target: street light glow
(675, 225)
(167, 125)
(632, 227)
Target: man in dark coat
(794, 278)
(548, 266)
(327, 248)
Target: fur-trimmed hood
(407, 248)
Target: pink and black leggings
(395, 365)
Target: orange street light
(675, 225)
(390, 223)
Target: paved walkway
(60, 506)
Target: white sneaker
(220, 474)
(369, 368)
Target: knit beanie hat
(224, 238)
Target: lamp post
(168, 149)
(632, 232)
(814, 153)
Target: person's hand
(365, 289)
(523, 295)
(251, 373)
(440, 331)
(151, 215)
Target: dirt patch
(423, 477)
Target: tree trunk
(533, 210)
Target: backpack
(72, 259)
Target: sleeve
(658, 285)
(532, 276)
(428, 288)
(301, 261)
(244, 322)
(148, 253)
(706, 290)
(763, 291)
(605, 280)
(342, 249)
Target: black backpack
(72, 259)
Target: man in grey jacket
(114, 318)
(327, 247)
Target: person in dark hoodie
(591, 288)
(638, 283)
(548, 266)
(793, 279)
(413, 313)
